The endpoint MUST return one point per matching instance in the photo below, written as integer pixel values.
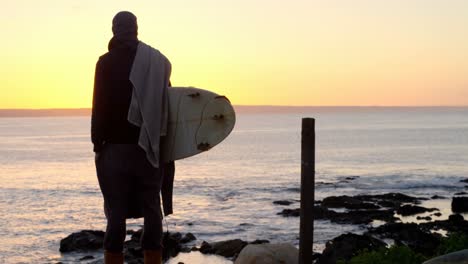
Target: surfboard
(198, 120)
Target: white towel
(150, 76)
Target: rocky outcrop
(407, 210)
(412, 235)
(283, 202)
(82, 241)
(227, 249)
(460, 204)
(346, 246)
(347, 202)
(88, 240)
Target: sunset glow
(364, 52)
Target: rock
(189, 237)
(268, 254)
(456, 218)
(356, 217)
(347, 202)
(290, 212)
(434, 197)
(172, 246)
(87, 257)
(227, 249)
(459, 204)
(259, 241)
(83, 240)
(283, 202)
(407, 210)
(412, 235)
(464, 180)
(427, 218)
(344, 247)
(438, 214)
(459, 257)
(455, 223)
(395, 197)
(351, 178)
(461, 193)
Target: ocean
(49, 187)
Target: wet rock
(172, 245)
(459, 204)
(438, 214)
(461, 193)
(427, 218)
(189, 237)
(344, 247)
(83, 240)
(455, 223)
(290, 212)
(347, 202)
(283, 202)
(456, 218)
(464, 180)
(259, 241)
(227, 249)
(407, 210)
(411, 234)
(360, 217)
(434, 197)
(87, 257)
(352, 178)
(356, 217)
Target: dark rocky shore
(355, 210)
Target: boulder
(355, 217)
(227, 249)
(407, 210)
(283, 202)
(189, 237)
(82, 241)
(347, 202)
(268, 254)
(412, 235)
(460, 204)
(459, 257)
(346, 246)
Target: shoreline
(410, 214)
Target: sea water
(49, 187)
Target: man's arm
(97, 113)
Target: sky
(256, 52)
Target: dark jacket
(111, 98)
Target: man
(129, 179)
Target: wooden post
(306, 235)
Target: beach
(50, 190)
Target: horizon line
(241, 109)
(266, 105)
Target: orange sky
(257, 52)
